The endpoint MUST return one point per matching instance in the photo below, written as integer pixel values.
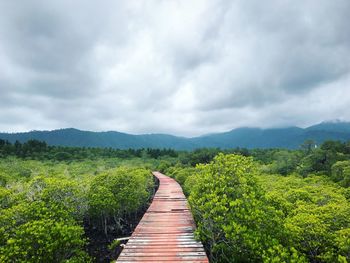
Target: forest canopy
(69, 204)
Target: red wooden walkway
(165, 233)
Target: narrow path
(165, 232)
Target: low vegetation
(68, 212)
(274, 206)
(65, 204)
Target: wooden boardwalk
(165, 232)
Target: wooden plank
(166, 231)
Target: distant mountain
(331, 126)
(75, 137)
(253, 138)
(291, 137)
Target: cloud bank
(180, 67)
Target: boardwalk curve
(165, 232)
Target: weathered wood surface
(165, 232)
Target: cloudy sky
(179, 67)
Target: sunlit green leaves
(43, 206)
(44, 240)
(244, 216)
(117, 193)
(235, 221)
(315, 210)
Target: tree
(234, 219)
(118, 193)
(285, 162)
(60, 192)
(343, 243)
(308, 146)
(45, 240)
(314, 211)
(341, 173)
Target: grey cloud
(184, 67)
(278, 47)
(51, 48)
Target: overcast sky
(179, 67)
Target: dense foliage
(247, 212)
(259, 205)
(49, 210)
(34, 149)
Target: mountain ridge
(290, 137)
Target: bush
(44, 241)
(118, 193)
(233, 217)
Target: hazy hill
(290, 137)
